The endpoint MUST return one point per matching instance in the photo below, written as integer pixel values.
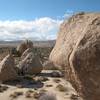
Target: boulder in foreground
(77, 50)
(7, 69)
(30, 64)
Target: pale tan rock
(48, 65)
(26, 52)
(30, 64)
(77, 50)
(24, 45)
(7, 69)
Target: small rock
(41, 78)
(19, 86)
(56, 74)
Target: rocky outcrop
(26, 52)
(24, 45)
(77, 50)
(7, 69)
(30, 64)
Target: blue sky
(31, 9)
(38, 19)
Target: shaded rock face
(24, 45)
(7, 69)
(77, 50)
(30, 65)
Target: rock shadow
(25, 83)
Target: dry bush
(16, 94)
(3, 88)
(29, 94)
(61, 88)
(56, 80)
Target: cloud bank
(45, 28)
(39, 29)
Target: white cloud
(42, 28)
(68, 13)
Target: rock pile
(29, 64)
(77, 50)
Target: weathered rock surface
(48, 65)
(24, 45)
(30, 64)
(77, 50)
(26, 52)
(7, 69)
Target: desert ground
(34, 87)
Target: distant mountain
(49, 43)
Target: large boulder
(7, 69)
(30, 65)
(77, 50)
(24, 45)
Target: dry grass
(19, 86)
(49, 85)
(3, 88)
(56, 80)
(36, 95)
(61, 88)
(16, 94)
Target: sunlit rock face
(77, 50)
(7, 69)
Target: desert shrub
(61, 88)
(14, 52)
(16, 94)
(56, 80)
(3, 88)
(29, 94)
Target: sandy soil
(49, 85)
